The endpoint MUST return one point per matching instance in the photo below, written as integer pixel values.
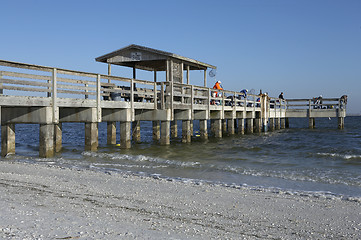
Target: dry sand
(49, 202)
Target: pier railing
(19, 79)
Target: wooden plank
(26, 89)
(25, 82)
(25, 75)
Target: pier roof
(150, 59)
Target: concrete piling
(91, 136)
(7, 139)
(46, 140)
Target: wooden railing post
(99, 110)
(1, 84)
(162, 104)
(54, 96)
(155, 95)
(86, 90)
(132, 97)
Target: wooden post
(136, 131)
(278, 123)
(311, 122)
(156, 130)
(174, 129)
(257, 125)
(216, 127)
(271, 124)
(54, 96)
(283, 123)
(46, 140)
(249, 128)
(111, 133)
(203, 132)
(125, 135)
(165, 133)
(205, 78)
(91, 136)
(230, 126)
(224, 126)
(1, 85)
(341, 123)
(186, 131)
(188, 74)
(241, 125)
(7, 139)
(58, 136)
(287, 122)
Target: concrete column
(46, 140)
(192, 132)
(249, 125)
(277, 123)
(341, 122)
(125, 135)
(136, 131)
(265, 124)
(224, 126)
(283, 123)
(156, 130)
(271, 124)
(111, 133)
(91, 136)
(287, 123)
(165, 133)
(58, 136)
(217, 127)
(186, 131)
(241, 126)
(230, 126)
(311, 123)
(203, 129)
(7, 139)
(257, 125)
(174, 129)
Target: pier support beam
(241, 126)
(265, 125)
(230, 126)
(341, 122)
(91, 136)
(136, 131)
(186, 131)
(271, 124)
(216, 127)
(111, 133)
(125, 134)
(165, 133)
(257, 125)
(174, 129)
(203, 132)
(249, 125)
(283, 123)
(311, 123)
(58, 137)
(46, 140)
(224, 126)
(277, 123)
(156, 130)
(7, 139)
(287, 122)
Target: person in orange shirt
(218, 86)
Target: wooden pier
(51, 96)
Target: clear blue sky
(303, 48)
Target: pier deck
(50, 96)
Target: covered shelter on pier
(144, 58)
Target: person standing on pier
(281, 96)
(218, 86)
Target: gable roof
(148, 59)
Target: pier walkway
(51, 96)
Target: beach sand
(50, 202)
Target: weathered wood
(91, 136)
(203, 131)
(125, 135)
(136, 131)
(111, 133)
(46, 140)
(58, 137)
(165, 133)
(7, 139)
(174, 129)
(186, 131)
(241, 126)
(249, 128)
(156, 130)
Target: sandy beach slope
(49, 202)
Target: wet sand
(49, 202)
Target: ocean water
(323, 162)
